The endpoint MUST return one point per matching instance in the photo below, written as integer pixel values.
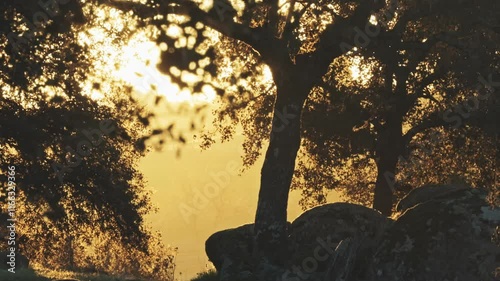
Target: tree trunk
(388, 151)
(384, 186)
(277, 172)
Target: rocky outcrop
(313, 239)
(231, 252)
(441, 234)
(315, 234)
(426, 193)
(442, 238)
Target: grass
(210, 275)
(48, 275)
(21, 275)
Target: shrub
(210, 275)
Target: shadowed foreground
(440, 233)
(46, 275)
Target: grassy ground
(206, 276)
(48, 275)
(21, 275)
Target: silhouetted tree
(354, 126)
(422, 74)
(297, 47)
(75, 157)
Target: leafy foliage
(417, 60)
(416, 67)
(206, 276)
(48, 75)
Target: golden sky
(177, 182)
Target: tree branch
(225, 26)
(436, 119)
(333, 40)
(426, 81)
(432, 121)
(272, 24)
(288, 24)
(420, 91)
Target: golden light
(134, 63)
(268, 75)
(360, 72)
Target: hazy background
(175, 181)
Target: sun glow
(360, 72)
(138, 68)
(134, 63)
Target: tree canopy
(416, 58)
(45, 114)
(437, 81)
(75, 150)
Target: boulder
(441, 236)
(316, 232)
(231, 252)
(426, 193)
(315, 235)
(446, 233)
(230, 246)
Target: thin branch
(289, 17)
(273, 16)
(429, 79)
(432, 121)
(431, 98)
(420, 91)
(291, 26)
(332, 40)
(225, 26)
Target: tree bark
(293, 82)
(384, 186)
(388, 150)
(277, 172)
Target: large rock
(426, 193)
(316, 232)
(230, 251)
(315, 235)
(444, 235)
(441, 235)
